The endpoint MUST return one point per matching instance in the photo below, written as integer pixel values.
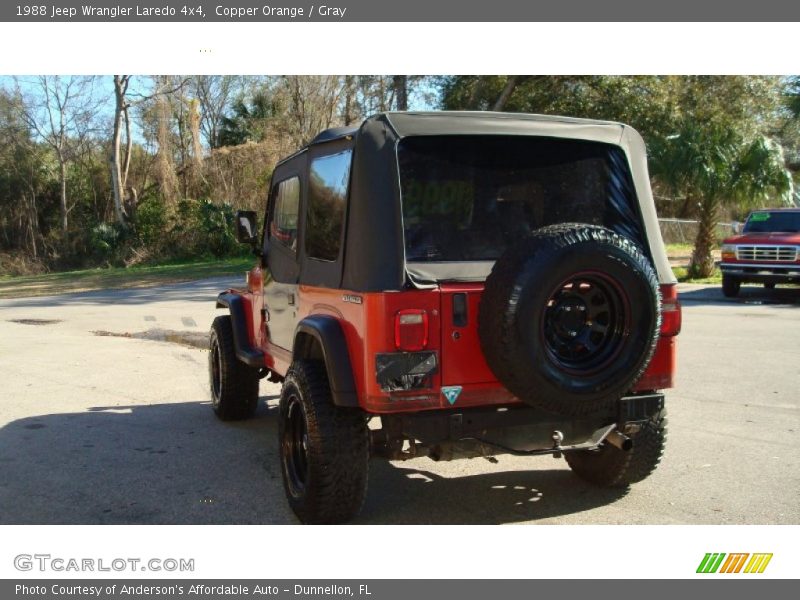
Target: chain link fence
(684, 231)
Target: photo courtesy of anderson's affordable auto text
(271, 317)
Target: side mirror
(737, 227)
(246, 232)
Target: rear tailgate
(462, 361)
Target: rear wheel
(324, 448)
(233, 385)
(608, 466)
(730, 286)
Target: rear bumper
(762, 273)
(521, 428)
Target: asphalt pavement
(105, 418)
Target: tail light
(411, 330)
(670, 310)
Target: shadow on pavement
(177, 464)
(748, 295)
(404, 494)
(154, 464)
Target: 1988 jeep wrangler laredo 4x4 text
(477, 283)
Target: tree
(214, 93)
(119, 173)
(22, 178)
(62, 114)
(248, 122)
(312, 103)
(400, 84)
(717, 165)
(707, 135)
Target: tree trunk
(117, 177)
(505, 95)
(349, 99)
(702, 264)
(64, 211)
(400, 83)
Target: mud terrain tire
(609, 466)
(324, 448)
(233, 385)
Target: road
(100, 428)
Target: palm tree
(714, 165)
(247, 123)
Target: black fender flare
(328, 334)
(250, 356)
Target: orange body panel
(368, 319)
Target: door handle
(291, 299)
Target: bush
(151, 222)
(217, 222)
(107, 242)
(199, 228)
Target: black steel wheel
(570, 318)
(324, 448)
(585, 322)
(294, 447)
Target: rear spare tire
(570, 318)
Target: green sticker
(758, 217)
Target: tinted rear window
(467, 198)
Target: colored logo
(451, 393)
(719, 562)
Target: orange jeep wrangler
(454, 285)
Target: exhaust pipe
(619, 440)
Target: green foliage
(151, 222)
(106, 240)
(710, 138)
(217, 225)
(248, 123)
(203, 228)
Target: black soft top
(374, 250)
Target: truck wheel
(730, 286)
(570, 318)
(609, 466)
(234, 385)
(324, 448)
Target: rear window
(467, 198)
(777, 222)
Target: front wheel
(611, 467)
(730, 286)
(233, 384)
(324, 448)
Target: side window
(327, 196)
(283, 228)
